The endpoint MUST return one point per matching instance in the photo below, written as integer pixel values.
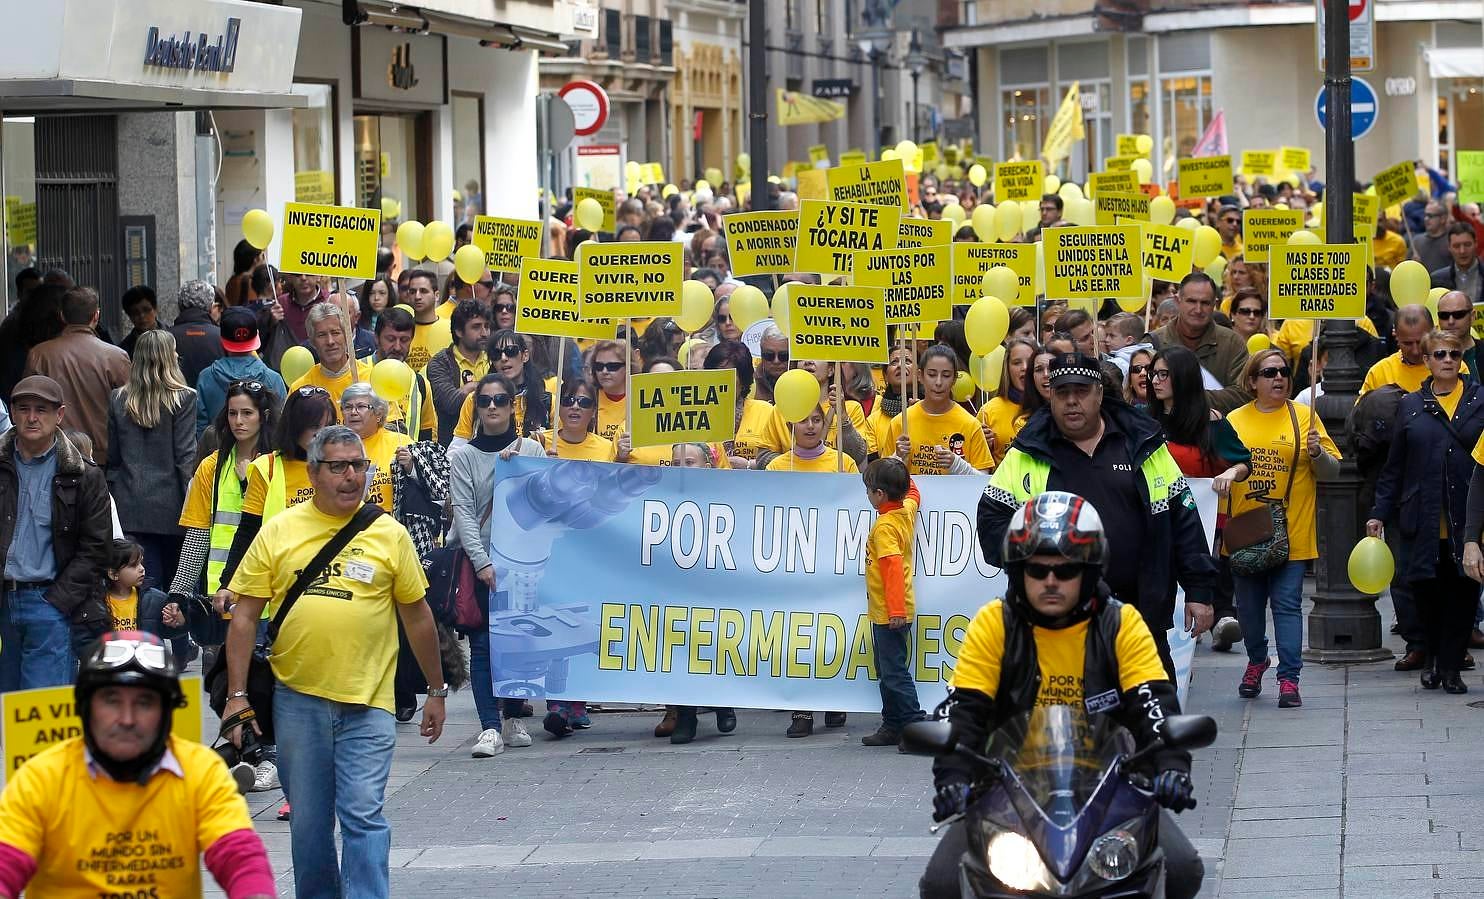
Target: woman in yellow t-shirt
(937, 435)
(606, 362)
(1005, 414)
(365, 413)
(574, 437)
(810, 452)
(859, 442)
(890, 402)
(664, 455)
(1290, 451)
(510, 355)
(761, 431)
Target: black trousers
(1445, 605)
(1184, 870)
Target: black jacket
(1447, 277)
(93, 619)
(198, 342)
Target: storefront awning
(1455, 62)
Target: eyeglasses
(359, 408)
(1444, 316)
(1434, 215)
(498, 400)
(1138, 369)
(609, 367)
(509, 352)
(505, 307)
(1249, 310)
(723, 318)
(1231, 221)
(1273, 372)
(1440, 355)
(117, 653)
(339, 466)
(1064, 571)
(1159, 374)
(581, 402)
(770, 356)
(309, 390)
(487, 285)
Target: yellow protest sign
(339, 241)
(314, 186)
(1115, 163)
(819, 153)
(1093, 263)
(629, 280)
(915, 282)
(1113, 208)
(506, 241)
(1121, 181)
(1262, 228)
(1167, 251)
(853, 157)
(605, 199)
(1018, 181)
(37, 720)
(1396, 183)
(829, 323)
(1205, 176)
(683, 407)
(873, 183)
(1294, 159)
(20, 221)
(1065, 129)
(931, 155)
(1364, 211)
(951, 154)
(1316, 281)
(548, 303)
(653, 173)
(812, 185)
(924, 233)
(1257, 163)
(761, 243)
(830, 234)
(1126, 145)
(1470, 171)
(972, 260)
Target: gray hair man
(198, 339)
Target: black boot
(1452, 683)
(1431, 679)
(834, 719)
(726, 720)
(685, 725)
(802, 725)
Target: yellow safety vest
(226, 515)
(277, 499)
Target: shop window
(314, 145)
(1187, 110)
(1027, 111)
(19, 140)
(468, 153)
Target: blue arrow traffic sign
(1364, 108)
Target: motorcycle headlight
(1014, 861)
(1114, 856)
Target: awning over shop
(1455, 62)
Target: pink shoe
(1288, 694)
(1252, 679)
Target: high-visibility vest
(270, 467)
(226, 515)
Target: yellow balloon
(391, 379)
(1001, 281)
(744, 162)
(703, 184)
(1432, 300)
(748, 306)
(469, 263)
(954, 213)
(1131, 305)
(779, 307)
(1257, 343)
(989, 368)
(410, 239)
(1069, 192)
(1207, 245)
(986, 324)
(795, 394)
(942, 172)
(977, 175)
(669, 191)
(696, 304)
(1030, 216)
(390, 208)
(1079, 211)
(1050, 184)
(437, 240)
(1217, 269)
(633, 169)
(983, 221)
(1295, 179)
(257, 227)
(1143, 143)
(295, 363)
(1304, 238)
(589, 214)
(1144, 169)
(906, 151)
(1371, 566)
(1410, 283)
(1161, 210)
(1007, 220)
(889, 154)
(963, 386)
(1189, 223)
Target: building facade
(706, 98)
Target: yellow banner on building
(1396, 184)
(1065, 130)
(972, 260)
(924, 233)
(1104, 261)
(915, 282)
(795, 108)
(1206, 176)
(630, 280)
(1114, 208)
(1294, 159)
(1316, 281)
(873, 183)
(830, 323)
(1167, 251)
(830, 234)
(1019, 181)
(548, 304)
(605, 199)
(761, 243)
(1260, 163)
(1125, 181)
(683, 407)
(1262, 228)
(506, 242)
(339, 241)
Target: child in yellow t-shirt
(810, 452)
(122, 606)
(889, 594)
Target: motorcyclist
(1059, 638)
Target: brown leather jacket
(88, 370)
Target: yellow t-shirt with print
(761, 428)
(891, 535)
(879, 424)
(830, 462)
(340, 641)
(1061, 656)
(1392, 370)
(316, 377)
(124, 611)
(381, 449)
(1297, 333)
(1270, 436)
(297, 487)
(465, 427)
(592, 449)
(88, 832)
(612, 415)
(427, 341)
(955, 429)
(1004, 419)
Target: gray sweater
(471, 475)
(149, 469)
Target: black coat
(198, 342)
(1447, 277)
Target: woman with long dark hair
(374, 297)
(245, 258)
(1005, 414)
(36, 319)
(510, 355)
(761, 432)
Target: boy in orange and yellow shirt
(889, 594)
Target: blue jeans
(892, 650)
(37, 642)
(485, 702)
(333, 759)
(1283, 588)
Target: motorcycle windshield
(1059, 757)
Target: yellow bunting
(683, 407)
(630, 280)
(831, 323)
(1317, 281)
(761, 243)
(915, 282)
(340, 241)
(548, 304)
(1093, 263)
(830, 234)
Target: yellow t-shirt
(124, 612)
(445, 309)
(664, 456)
(830, 462)
(891, 535)
(1449, 401)
(471, 371)
(761, 428)
(465, 427)
(612, 413)
(592, 449)
(857, 417)
(1060, 656)
(296, 490)
(1270, 437)
(340, 641)
(428, 340)
(879, 424)
(1005, 420)
(94, 836)
(197, 510)
(381, 449)
(316, 377)
(955, 429)
(1232, 250)
(1297, 333)
(1392, 370)
(1389, 249)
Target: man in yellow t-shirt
(334, 660)
(82, 818)
(433, 334)
(1406, 367)
(337, 369)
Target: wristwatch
(438, 693)
(240, 694)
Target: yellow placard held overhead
(548, 302)
(339, 241)
(853, 157)
(1364, 211)
(1113, 208)
(1126, 145)
(924, 233)
(1260, 163)
(761, 243)
(830, 234)
(1262, 228)
(972, 260)
(1316, 281)
(1294, 159)
(819, 153)
(1167, 252)
(1396, 183)
(506, 241)
(630, 280)
(1125, 181)
(874, 183)
(1066, 129)
(830, 323)
(1093, 263)
(683, 407)
(915, 282)
(1205, 176)
(1118, 163)
(812, 185)
(605, 199)
(1018, 181)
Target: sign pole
(628, 366)
(555, 398)
(838, 410)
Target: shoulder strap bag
(1257, 540)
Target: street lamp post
(757, 89)
(916, 62)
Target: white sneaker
(265, 777)
(515, 734)
(488, 745)
(1226, 633)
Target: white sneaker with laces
(488, 745)
(265, 777)
(515, 733)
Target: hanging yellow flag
(795, 108)
(1065, 128)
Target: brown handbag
(1257, 540)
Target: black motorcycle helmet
(129, 659)
(1055, 523)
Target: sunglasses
(311, 390)
(1460, 315)
(509, 352)
(1138, 369)
(770, 356)
(608, 367)
(581, 402)
(1249, 310)
(1159, 374)
(1231, 221)
(1273, 371)
(487, 285)
(253, 387)
(1440, 355)
(1064, 571)
(498, 400)
(340, 466)
(723, 318)
(505, 307)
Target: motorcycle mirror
(927, 738)
(1189, 731)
